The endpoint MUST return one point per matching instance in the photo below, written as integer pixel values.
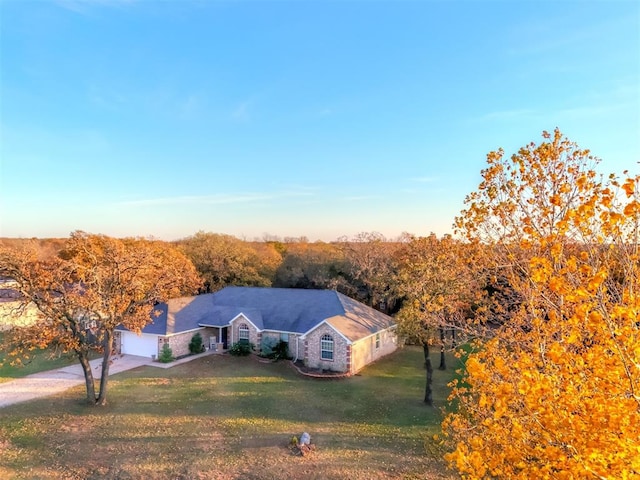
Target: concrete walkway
(47, 383)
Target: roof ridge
(340, 301)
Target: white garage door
(143, 345)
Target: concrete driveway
(51, 382)
(55, 381)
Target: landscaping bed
(302, 369)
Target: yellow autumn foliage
(555, 392)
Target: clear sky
(314, 118)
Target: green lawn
(222, 417)
(38, 361)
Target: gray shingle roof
(280, 309)
(359, 320)
(158, 320)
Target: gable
(222, 316)
(328, 324)
(242, 318)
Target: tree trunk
(106, 363)
(443, 362)
(428, 393)
(453, 338)
(83, 358)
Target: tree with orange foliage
(95, 284)
(555, 393)
(223, 260)
(435, 281)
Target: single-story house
(323, 328)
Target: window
(243, 333)
(326, 347)
(377, 341)
(284, 337)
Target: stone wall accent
(305, 350)
(364, 351)
(179, 343)
(206, 333)
(234, 334)
(313, 359)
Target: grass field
(38, 361)
(222, 417)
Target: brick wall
(255, 337)
(340, 362)
(301, 354)
(180, 343)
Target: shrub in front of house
(241, 349)
(266, 347)
(275, 349)
(196, 345)
(166, 354)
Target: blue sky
(314, 118)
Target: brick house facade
(340, 361)
(323, 328)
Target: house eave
(207, 325)
(178, 333)
(389, 328)
(282, 331)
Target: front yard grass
(38, 361)
(223, 417)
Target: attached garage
(144, 345)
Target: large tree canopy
(95, 284)
(369, 268)
(224, 260)
(556, 392)
(310, 265)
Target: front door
(224, 338)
